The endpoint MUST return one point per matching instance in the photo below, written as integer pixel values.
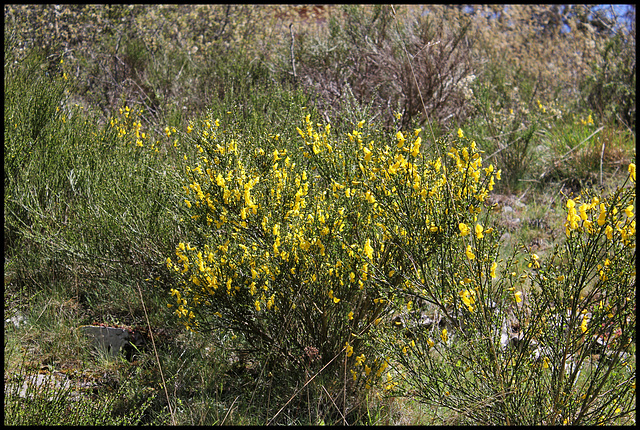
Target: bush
(33, 93)
(283, 237)
(174, 60)
(552, 342)
(395, 65)
(69, 216)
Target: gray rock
(111, 340)
(17, 321)
(33, 384)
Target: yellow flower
(361, 124)
(493, 269)
(400, 139)
(416, 146)
(609, 232)
(360, 359)
(350, 316)
(464, 230)
(479, 229)
(349, 349)
(518, 296)
(632, 171)
(603, 214)
(583, 211)
(367, 154)
(369, 197)
(603, 276)
(444, 336)
(368, 250)
(385, 364)
(585, 321)
(629, 211)
(468, 298)
(534, 261)
(460, 133)
(469, 252)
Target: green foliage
(507, 120)
(33, 94)
(64, 206)
(579, 154)
(610, 88)
(55, 402)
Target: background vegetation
(109, 111)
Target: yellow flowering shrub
(547, 337)
(298, 244)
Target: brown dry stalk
(155, 351)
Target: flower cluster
(369, 372)
(588, 121)
(129, 128)
(596, 217)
